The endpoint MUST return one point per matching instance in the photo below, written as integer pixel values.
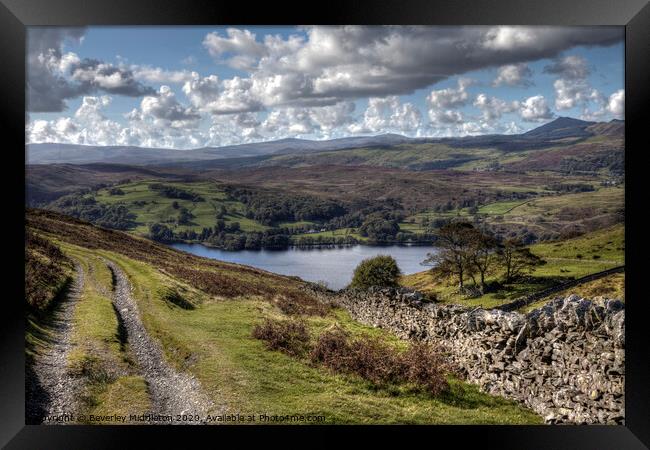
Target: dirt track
(50, 389)
(171, 392)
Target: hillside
(592, 149)
(564, 260)
(46, 183)
(201, 313)
(564, 145)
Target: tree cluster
(466, 252)
(173, 192)
(272, 207)
(81, 206)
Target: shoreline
(306, 247)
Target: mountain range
(561, 131)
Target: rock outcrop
(566, 360)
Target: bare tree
(482, 255)
(454, 243)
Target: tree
(517, 259)
(185, 216)
(482, 254)
(381, 271)
(233, 227)
(221, 212)
(454, 243)
(378, 228)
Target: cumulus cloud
(230, 96)
(93, 75)
(54, 77)
(47, 89)
(241, 44)
(388, 114)
(616, 103)
(332, 64)
(493, 108)
(165, 108)
(305, 84)
(570, 93)
(88, 126)
(448, 116)
(528, 41)
(161, 76)
(572, 67)
(572, 87)
(450, 97)
(513, 75)
(535, 109)
(442, 103)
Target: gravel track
(171, 392)
(50, 389)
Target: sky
(191, 87)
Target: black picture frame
(15, 15)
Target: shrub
(424, 366)
(332, 349)
(378, 362)
(184, 216)
(288, 336)
(92, 368)
(380, 271)
(47, 272)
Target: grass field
(550, 213)
(341, 232)
(151, 206)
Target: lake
(332, 265)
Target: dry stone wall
(566, 360)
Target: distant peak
(571, 121)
